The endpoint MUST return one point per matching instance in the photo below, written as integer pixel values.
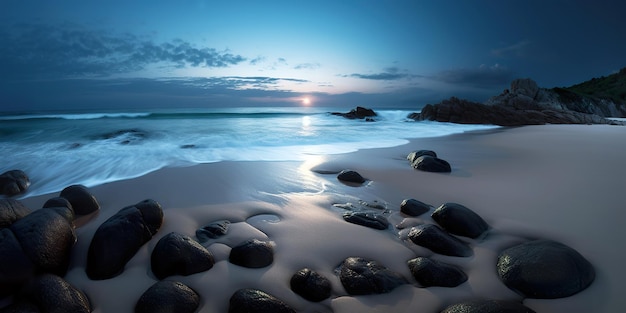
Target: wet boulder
(13, 182)
(429, 163)
(357, 113)
(413, 207)
(437, 240)
(117, 240)
(51, 293)
(428, 272)
(254, 300)
(459, 220)
(488, 306)
(47, 238)
(213, 230)
(418, 153)
(544, 269)
(11, 210)
(168, 297)
(16, 268)
(350, 177)
(367, 219)
(81, 199)
(310, 285)
(364, 277)
(178, 254)
(252, 253)
(58, 202)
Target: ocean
(61, 149)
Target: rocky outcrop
(358, 113)
(13, 182)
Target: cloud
(482, 76)
(72, 51)
(390, 73)
(515, 50)
(309, 66)
(257, 60)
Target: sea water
(61, 149)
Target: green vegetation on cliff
(612, 87)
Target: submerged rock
(117, 240)
(252, 253)
(367, 219)
(364, 277)
(13, 182)
(310, 285)
(168, 297)
(413, 207)
(254, 300)
(544, 269)
(430, 272)
(351, 177)
(434, 238)
(178, 254)
(212, 231)
(83, 202)
(459, 220)
(488, 306)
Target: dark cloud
(65, 50)
(390, 73)
(482, 76)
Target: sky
(95, 55)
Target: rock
(178, 254)
(367, 219)
(252, 253)
(126, 136)
(253, 300)
(488, 306)
(212, 231)
(58, 202)
(459, 220)
(544, 269)
(351, 177)
(82, 201)
(364, 277)
(11, 210)
(310, 285)
(13, 182)
(413, 207)
(47, 238)
(434, 238)
(416, 154)
(357, 113)
(524, 86)
(15, 266)
(428, 163)
(117, 240)
(168, 297)
(51, 293)
(430, 272)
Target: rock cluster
(427, 161)
(358, 113)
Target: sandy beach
(564, 183)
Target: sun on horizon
(306, 101)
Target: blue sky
(137, 54)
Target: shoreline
(526, 182)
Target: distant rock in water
(126, 136)
(357, 113)
(13, 182)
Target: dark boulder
(351, 177)
(213, 230)
(58, 202)
(117, 240)
(434, 238)
(488, 306)
(252, 253)
(10, 211)
(52, 294)
(178, 254)
(364, 277)
(416, 154)
(544, 269)
(430, 272)
(429, 163)
(310, 285)
(13, 182)
(15, 266)
(83, 202)
(47, 238)
(357, 113)
(413, 207)
(367, 219)
(168, 297)
(459, 220)
(253, 300)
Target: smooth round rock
(178, 254)
(51, 293)
(434, 238)
(544, 269)
(254, 300)
(364, 277)
(430, 272)
(168, 297)
(413, 207)
(310, 285)
(428, 163)
(83, 202)
(252, 253)
(459, 220)
(13, 182)
(367, 219)
(351, 177)
(11, 210)
(488, 306)
(416, 154)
